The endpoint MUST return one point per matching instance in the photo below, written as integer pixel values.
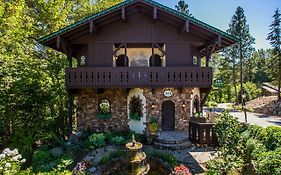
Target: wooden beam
(219, 41)
(160, 48)
(214, 41)
(91, 27)
(204, 98)
(118, 48)
(155, 13)
(185, 28)
(58, 41)
(123, 13)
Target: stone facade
(87, 108)
(179, 97)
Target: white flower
(22, 161)
(14, 152)
(7, 151)
(17, 157)
(2, 156)
(8, 165)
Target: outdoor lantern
(153, 105)
(183, 105)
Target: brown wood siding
(139, 28)
(126, 77)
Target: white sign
(168, 93)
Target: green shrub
(41, 157)
(271, 137)
(105, 159)
(98, 140)
(228, 129)
(118, 140)
(169, 158)
(269, 162)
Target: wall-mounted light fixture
(183, 105)
(153, 105)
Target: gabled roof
(128, 2)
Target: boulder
(92, 169)
(73, 139)
(57, 151)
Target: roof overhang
(216, 39)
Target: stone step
(173, 146)
(178, 141)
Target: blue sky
(218, 13)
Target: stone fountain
(137, 158)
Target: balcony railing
(130, 77)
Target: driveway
(263, 120)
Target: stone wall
(87, 108)
(182, 115)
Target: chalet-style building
(137, 61)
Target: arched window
(122, 61)
(157, 61)
(104, 106)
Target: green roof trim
(165, 8)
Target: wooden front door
(168, 116)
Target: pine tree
(241, 51)
(183, 7)
(274, 36)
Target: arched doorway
(168, 116)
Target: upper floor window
(195, 60)
(138, 55)
(83, 60)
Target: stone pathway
(96, 155)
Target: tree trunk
(234, 83)
(279, 75)
(241, 73)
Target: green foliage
(10, 162)
(98, 140)
(183, 7)
(105, 159)
(135, 108)
(274, 37)
(104, 106)
(40, 158)
(169, 158)
(271, 137)
(243, 147)
(118, 140)
(32, 92)
(269, 162)
(46, 163)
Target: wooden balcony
(130, 77)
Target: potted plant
(153, 125)
(198, 118)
